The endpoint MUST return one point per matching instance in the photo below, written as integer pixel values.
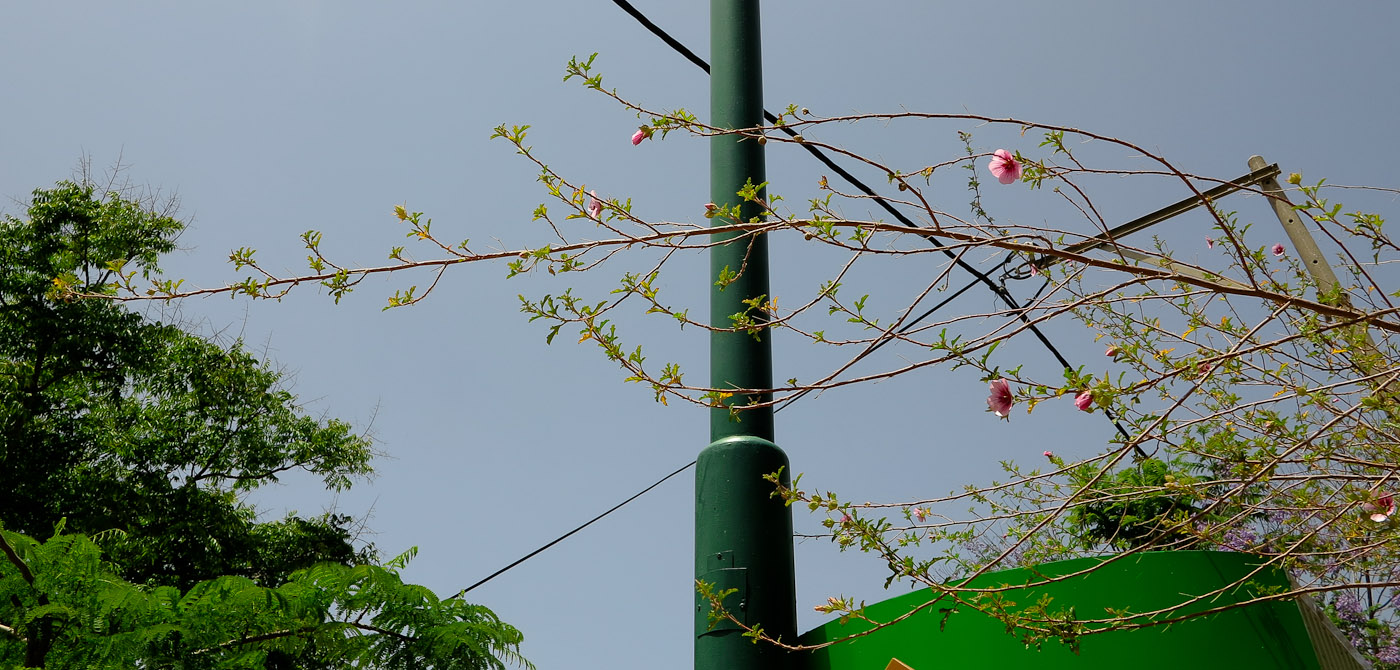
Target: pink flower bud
(1049, 454)
(1084, 401)
(595, 206)
(1111, 351)
(641, 134)
(1382, 509)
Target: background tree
(146, 438)
(64, 608)
(114, 422)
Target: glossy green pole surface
(743, 535)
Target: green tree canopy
(131, 445)
(114, 422)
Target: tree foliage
(63, 607)
(113, 422)
(130, 444)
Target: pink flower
(1000, 400)
(919, 513)
(1210, 244)
(1049, 454)
(1277, 249)
(1381, 509)
(641, 134)
(1084, 401)
(845, 519)
(1111, 351)
(1004, 166)
(595, 206)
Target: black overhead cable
(997, 289)
(670, 41)
(561, 538)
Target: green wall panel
(1264, 635)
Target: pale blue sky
(270, 118)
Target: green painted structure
(743, 535)
(1276, 634)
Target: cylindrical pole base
(743, 541)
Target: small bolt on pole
(743, 535)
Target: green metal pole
(743, 535)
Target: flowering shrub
(1255, 399)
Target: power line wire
(672, 42)
(561, 538)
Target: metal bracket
(1110, 238)
(1316, 264)
(736, 603)
(722, 576)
